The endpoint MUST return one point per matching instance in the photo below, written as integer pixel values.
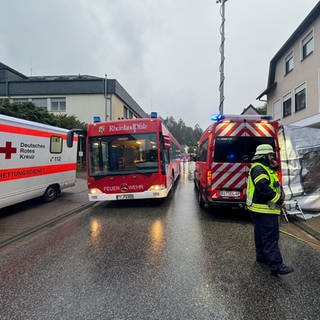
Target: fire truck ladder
(292, 208)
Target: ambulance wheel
(51, 193)
(200, 199)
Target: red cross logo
(8, 150)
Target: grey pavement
(29, 214)
(18, 218)
(146, 260)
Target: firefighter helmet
(264, 149)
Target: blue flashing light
(217, 117)
(153, 115)
(231, 156)
(266, 117)
(96, 119)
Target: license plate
(233, 194)
(124, 196)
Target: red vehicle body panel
(224, 182)
(133, 184)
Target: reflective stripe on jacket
(259, 203)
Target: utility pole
(222, 58)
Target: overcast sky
(165, 53)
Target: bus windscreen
(123, 154)
(238, 149)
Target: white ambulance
(34, 161)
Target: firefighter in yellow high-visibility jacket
(264, 201)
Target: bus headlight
(95, 191)
(157, 187)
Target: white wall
(86, 106)
(304, 72)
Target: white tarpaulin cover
(300, 162)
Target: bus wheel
(200, 199)
(51, 193)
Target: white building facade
(81, 95)
(293, 90)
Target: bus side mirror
(70, 135)
(166, 140)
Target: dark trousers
(266, 237)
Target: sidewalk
(304, 230)
(26, 215)
(311, 224)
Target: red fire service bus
(130, 159)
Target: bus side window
(164, 154)
(203, 151)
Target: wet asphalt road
(146, 260)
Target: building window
(40, 102)
(286, 106)
(125, 112)
(300, 98)
(307, 45)
(20, 100)
(58, 104)
(288, 64)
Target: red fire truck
(225, 150)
